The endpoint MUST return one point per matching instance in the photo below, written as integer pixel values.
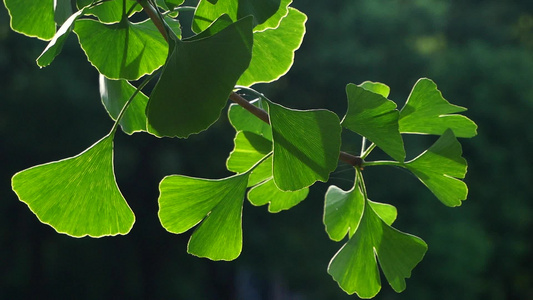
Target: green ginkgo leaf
(243, 120)
(441, 169)
(386, 212)
(343, 211)
(186, 201)
(249, 149)
(355, 267)
(306, 146)
(55, 46)
(115, 94)
(266, 13)
(132, 49)
(197, 79)
(32, 18)
(376, 87)
(77, 196)
(278, 200)
(109, 12)
(427, 112)
(376, 118)
(273, 53)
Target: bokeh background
(480, 53)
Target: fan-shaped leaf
(427, 112)
(77, 196)
(376, 118)
(32, 18)
(355, 267)
(343, 211)
(198, 77)
(131, 49)
(306, 146)
(186, 201)
(440, 168)
(273, 53)
(268, 192)
(115, 94)
(243, 120)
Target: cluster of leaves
(236, 43)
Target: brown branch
(348, 158)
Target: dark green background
(480, 53)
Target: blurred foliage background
(480, 53)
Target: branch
(348, 158)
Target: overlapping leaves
(189, 97)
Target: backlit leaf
(306, 146)
(427, 112)
(198, 77)
(278, 200)
(110, 11)
(267, 13)
(376, 118)
(32, 18)
(77, 196)
(186, 201)
(131, 49)
(249, 149)
(243, 120)
(115, 94)
(440, 168)
(343, 211)
(376, 87)
(355, 267)
(55, 46)
(273, 53)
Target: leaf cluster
(279, 152)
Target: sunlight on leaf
(109, 12)
(186, 201)
(278, 200)
(243, 120)
(32, 18)
(376, 87)
(355, 268)
(376, 118)
(266, 13)
(440, 168)
(273, 52)
(115, 94)
(427, 112)
(77, 196)
(131, 49)
(249, 149)
(306, 146)
(343, 211)
(181, 104)
(56, 44)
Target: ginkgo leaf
(343, 211)
(355, 267)
(181, 104)
(427, 112)
(306, 146)
(186, 201)
(278, 200)
(243, 120)
(77, 196)
(266, 13)
(376, 87)
(115, 94)
(386, 212)
(109, 12)
(441, 167)
(273, 52)
(249, 149)
(376, 118)
(32, 18)
(55, 46)
(132, 49)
